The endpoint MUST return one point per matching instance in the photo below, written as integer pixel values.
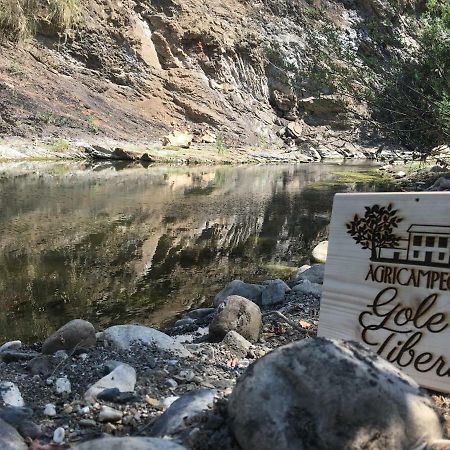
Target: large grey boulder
(236, 314)
(237, 287)
(319, 394)
(274, 293)
(314, 274)
(10, 439)
(305, 287)
(75, 336)
(124, 336)
(129, 443)
(183, 410)
(123, 378)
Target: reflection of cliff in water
(141, 245)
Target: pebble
(152, 401)
(171, 383)
(58, 435)
(50, 410)
(84, 411)
(63, 386)
(108, 414)
(87, 423)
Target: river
(119, 244)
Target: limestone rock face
(319, 394)
(75, 335)
(236, 314)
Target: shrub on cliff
(20, 19)
(412, 103)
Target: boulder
(10, 394)
(129, 443)
(236, 344)
(122, 378)
(20, 419)
(237, 287)
(181, 139)
(274, 293)
(294, 129)
(10, 439)
(236, 314)
(319, 394)
(42, 365)
(314, 274)
(75, 336)
(441, 184)
(305, 287)
(173, 421)
(320, 251)
(124, 336)
(12, 345)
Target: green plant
(20, 19)
(220, 144)
(59, 145)
(93, 123)
(50, 118)
(15, 69)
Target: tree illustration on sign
(375, 229)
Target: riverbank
(174, 384)
(187, 151)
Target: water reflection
(116, 244)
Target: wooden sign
(387, 280)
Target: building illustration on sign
(425, 245)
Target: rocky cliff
(241, 71)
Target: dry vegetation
(19, 19)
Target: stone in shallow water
(319, 394)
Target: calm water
(113, 244)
